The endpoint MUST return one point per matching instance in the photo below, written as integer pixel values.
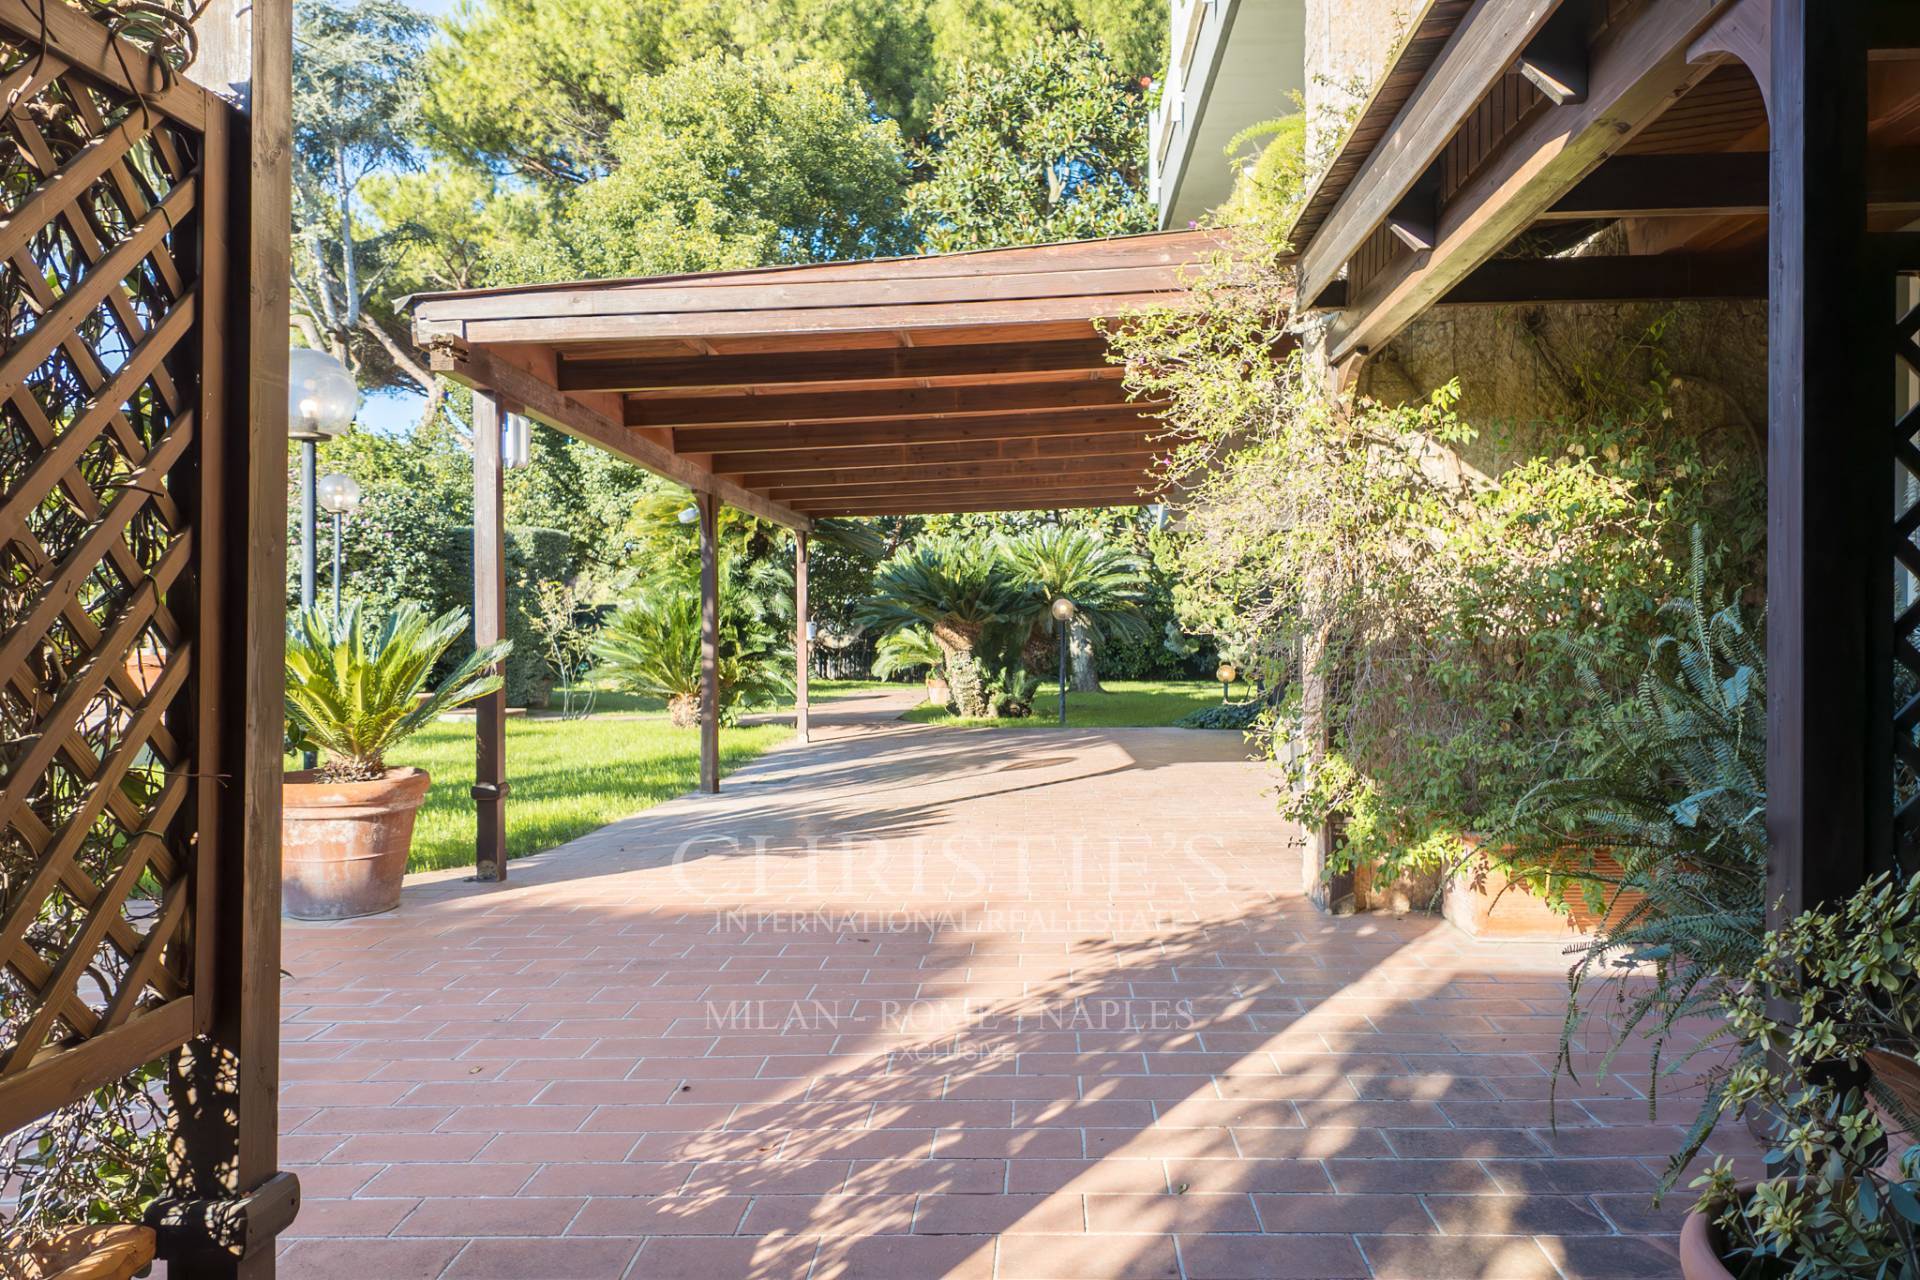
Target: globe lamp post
(339, 497)
(1062, 616)
(321, 400)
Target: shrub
(1446, 612)
(1244, 716)
(1675, 800)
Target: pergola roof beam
(1036, 451)
(985, 361)
(1486, 43)
(1637, 64)
(527, 394)
(828, 435)
(1136, 461)
(1115, 497)
(849, 406)
(1129, 477)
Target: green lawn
(571, 776)
(568, 776)
(1126, 703)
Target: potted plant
(353, 693)
(81, 1178)
(1828, 1021)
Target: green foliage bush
(1244, 716)
(1448, 610)
(652, 646)
(1662, 833)
(1828, 1020)
(359, 687)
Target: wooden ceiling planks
(977, 379)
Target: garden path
(914, 1002)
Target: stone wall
(1348, 46)
(1522, 367)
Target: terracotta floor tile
(917, 1037)
(1291, 1257)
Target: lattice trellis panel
(100, 499)
(1904, 255)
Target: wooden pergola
(1727, 149)
(963, 382)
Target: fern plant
(1677, 801)
(356, 689)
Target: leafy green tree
(356, 96)
(725, 163)
(1052, 146)
(539, 86)
(1134, 32)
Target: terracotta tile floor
(933, 1003)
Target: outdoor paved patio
(911, 1002)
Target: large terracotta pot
(1482, 902)
(938, 691)
(1700, 1246)
(85, 1253)
(344, 844)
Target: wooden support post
(226, 1197)
(489, 627)
(1829, 577)
(802, 643)
(709, 508)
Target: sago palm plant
(355, 689)
(959, 591)
(1106, 584)
(652, 646)
(907, 650)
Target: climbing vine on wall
(1443, 609)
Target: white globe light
(339, 495)
(1063, 609)
(321, 397)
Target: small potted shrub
(1828, 1022)
(354, 692)
(81, 1178)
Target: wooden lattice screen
(110, 501)
(1901, 260)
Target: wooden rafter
(982, 376)
(981, 361)
(827, 435)
(857, 457)
(847, 406)
(1638, 63)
